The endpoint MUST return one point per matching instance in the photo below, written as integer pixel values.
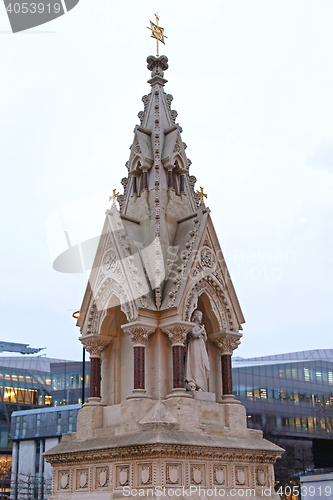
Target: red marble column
(182, 183)
(139, 367)
(95, 377)
(134, 186)
(170, 179)
(178, 366)
(144, 180)
(226, 374)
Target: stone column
(134, 185)
(170, 179)
(144, 180)
(139, 335)
(177, 334)
(182, 184)
(95, 344)
(227, 342)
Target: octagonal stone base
(172, 448)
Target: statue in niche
(197, 362)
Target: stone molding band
(161, 450)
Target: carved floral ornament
(110, 261)
(227, 342)
(178, 333)
(95, 344)
(207, 259)
(139, 334)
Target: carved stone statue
(197, 362)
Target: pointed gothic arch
(212, 294)
(109, 295)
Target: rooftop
(34, 363)
(289, 357)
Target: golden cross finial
(202, 194)
(114, 197)
(157, 32)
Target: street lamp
(76, 315)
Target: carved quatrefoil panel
(82, 479)
(173, 474)
(64, 480)
(110, 261)
(241, 476)
(207, 259)
(102, 477)
(261, 477)
(145, 474)
(123, 475)
(197, 474)
(220, 475)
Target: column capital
(177, 332)
(95, 344)
(227, 341)
(138, 332)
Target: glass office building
(33, 432)
(290, 398)
(291, 394)
(31, 382)
(66, 382)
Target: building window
(263, 393)
(59, 422)
(37, 461)
(70, 421)
(4, 439)
(48, 400)
(24, 426)
(306, 375)
(17, 427)
(37, 423)
(9, 396)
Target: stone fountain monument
(160, 319)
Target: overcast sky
(252, 83)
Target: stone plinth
(146, 444)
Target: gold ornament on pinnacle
(202, 194)
(114, 197)
(157, 32)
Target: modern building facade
(33, 432)
(66, 382)
(31, 383)
(287, 393)
(290, 397)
